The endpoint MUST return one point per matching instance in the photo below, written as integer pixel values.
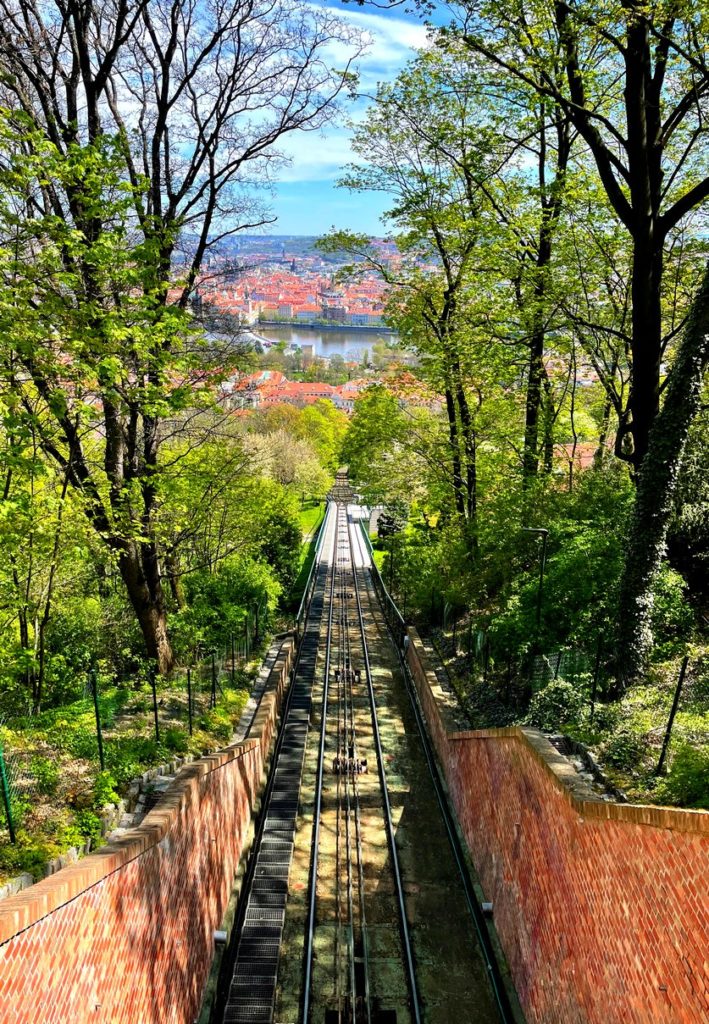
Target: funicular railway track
(351, 760)
(356, 888)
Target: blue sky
(306, 200)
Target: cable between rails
(405, 934)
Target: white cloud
(392, 43)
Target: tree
(427, 146)
(635, 84)
(142, 127)
(658, 476)
(635, 87)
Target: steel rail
(493, 968)
(343, 661)
(317, 809)
(405, 935)
(358, 821)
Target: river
(348, 343)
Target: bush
(105, 788)
(625, 750)
(46, 775)
(672, 616)
(176, 740)
(557, 705)
(687, 783)
(89, 826)
(218, 724)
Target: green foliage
(89, 826)
(105, 790)
(558, 705)
(625, 750)
(46, 774)
(217, 722)
(687, 783)
(672, 614)
(176, 740)
(220, 601)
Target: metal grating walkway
(253, 984)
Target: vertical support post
(256, 624)
(214, 681)
(189, 699)
(673, 712)
(154, 685)
(99, 735)
(233, 660)
(5, 786)
(594, 685)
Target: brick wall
(126, 935)
(602, 908)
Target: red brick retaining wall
(602, 908)
(126, 935)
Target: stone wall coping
(565, 777)
(23, 910)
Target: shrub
(176, 740)
(105, 788)
(672, 615)
(89, 826)
(46, 775)
(218, 724)
(624, 750)
(557, 705)
(687, 783)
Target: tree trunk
(455, 454)
(646, 341)
(530, 459)
(145, 591)
(656, 486)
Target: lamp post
(544, 534)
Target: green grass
(310, 516)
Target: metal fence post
(5, 786)
(233, 660)
(153, 683)
(99, 735)
(594, 685)
(673, 712)
(214, 681)
(189, 699)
